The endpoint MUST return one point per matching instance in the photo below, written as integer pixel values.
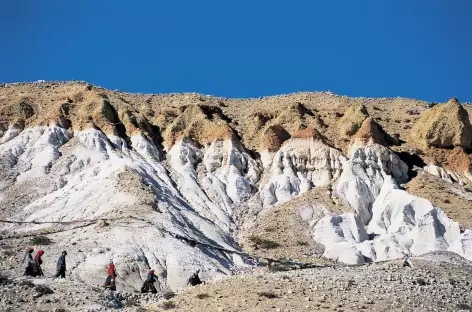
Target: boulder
(444, 126)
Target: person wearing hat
(148, 285)
(61, 265)
(111, 276)
(28, 262)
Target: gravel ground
(439, 281)
(376, 287)
(47, 294)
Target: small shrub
(8, 253)
(269, 229)
(468, 189)
(41, 240)
(28, 283)
(447, 201)
(302, 243)
(464, 306)
(167, 305)
(278, 268)
(43, 289)
(130, 303)
(202, 296)
(420, 281)
(263, 243)
(60, 310)
(3, 278)
(412, 112)
(452, 281)
(168, 295)
(268, 295)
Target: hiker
(37, 271)
(110, 281)
(407, 262)
(194, 280)
(148, 285)
(28, 262)
(61, 265)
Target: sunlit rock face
(300, 165)
(93, 178)
(178, 182)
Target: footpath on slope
(287, 264)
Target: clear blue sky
(410, 48)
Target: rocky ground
(280, 232)
(436, 282)
(47, 294)
(376, 287)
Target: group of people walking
(148, 285)
(33, 268)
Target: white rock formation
(363, 176)
(227, 177)
(158, 205)
(12, 132)
(90, 167)
(400, 224)
(340, 234)
(463, 246)
(446, 174)
(298, 166)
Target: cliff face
(181, 178)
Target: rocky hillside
(180, 182)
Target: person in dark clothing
(61, 265)
(407, 262)
(37, 271)
(148, 285)
(111, 276)
(194, 280)
(28, 262)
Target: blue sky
(378, 48)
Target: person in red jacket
(111, 276)
(37, 271)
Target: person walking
(195, 280)
(37, 271)
(111, 276)
(407, 262)
(148, 285)
(28, 262)
(61, 265)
